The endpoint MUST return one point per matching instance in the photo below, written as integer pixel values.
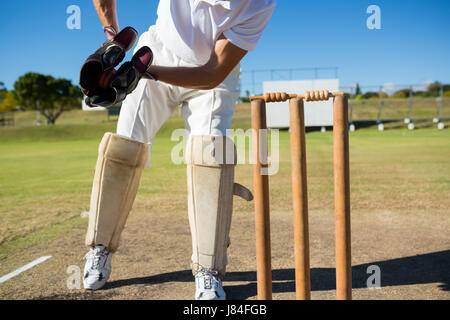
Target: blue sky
(413, 45)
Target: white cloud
(423, 86)
(389, 88)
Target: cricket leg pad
(117, 174)
(210, 171)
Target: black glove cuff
(150, 75)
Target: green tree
(434, 88)
(63, 96)
(404, 93)
(421, 94)
(357, 90)
(371, 95)
(3, 91)
(50, 96)
(8, 103)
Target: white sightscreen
(317, 114)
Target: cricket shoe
(208, 286)
(97, 268)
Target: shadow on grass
(420, 269)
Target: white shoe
(208, 286)
(97, 268)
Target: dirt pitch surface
(400, 195)
(411, 250)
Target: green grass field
(46, 172)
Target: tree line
(53, 96)
(433, 90)
(44, 93)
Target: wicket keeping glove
(103, 85)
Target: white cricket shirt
(189, 28)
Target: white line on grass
(24, 268)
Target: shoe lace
(209, 277)
(96, 255)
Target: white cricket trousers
(205, 112)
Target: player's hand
(101, 83)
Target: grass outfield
(46, 173)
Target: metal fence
(392, 103)
(251, 81)
(368, 104)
